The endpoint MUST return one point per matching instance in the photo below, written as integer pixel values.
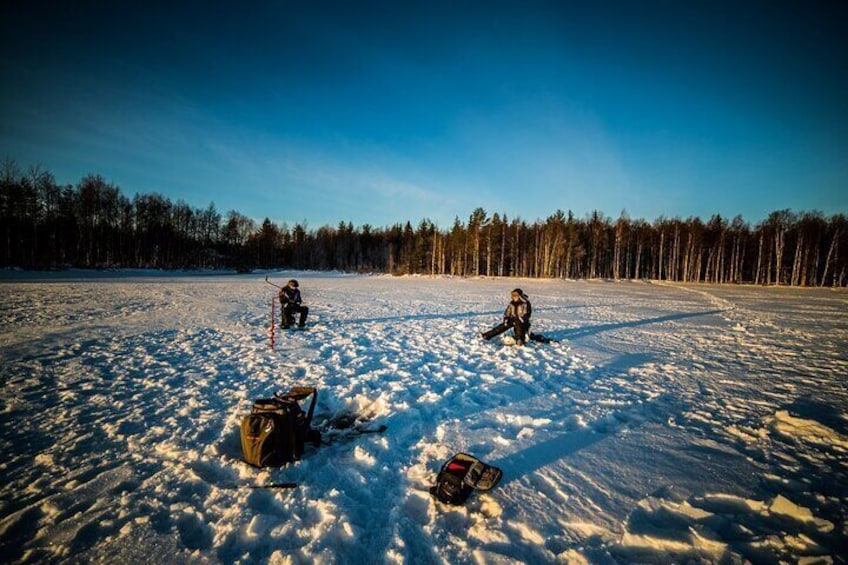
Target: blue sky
(382, 112)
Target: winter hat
(520, 293)
(294, 283)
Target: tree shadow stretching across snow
(535, 457)
(511, 392)
(448, 316)
(540, 455)
(414, 317)
(593, 330)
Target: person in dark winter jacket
(290, 302)
(516, 316)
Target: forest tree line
(93, 225)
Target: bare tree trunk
(442, 258)
(779, 244)
(638, 267)
(796, 262)
(551, 256)
(660, 267)
(475, 255)
(616, 258)
(805, 266)
(435, 251)
(503, 250)
(515, 252)
(698, 266)
(814, 270)
(831, 253)
(733, 255)
(708, 273)
(675, 263)
(537, 255)
(489, 252)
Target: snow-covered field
(668, 424)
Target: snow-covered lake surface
(669, 423)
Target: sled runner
(461, 475)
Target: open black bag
(461, 475)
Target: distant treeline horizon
(93, 225)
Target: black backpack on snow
(275, 431)
(461, 475)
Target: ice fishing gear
(541, 339)
(329, 437)
(273, 321)
(277, 428)
(267, 485)
(461, 475)
(510, 340)
(272, 284)
(346, 426)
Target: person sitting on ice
(516, 316)
(290, 302)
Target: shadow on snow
(593, 330)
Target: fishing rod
(234, 486)
(272, 284)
